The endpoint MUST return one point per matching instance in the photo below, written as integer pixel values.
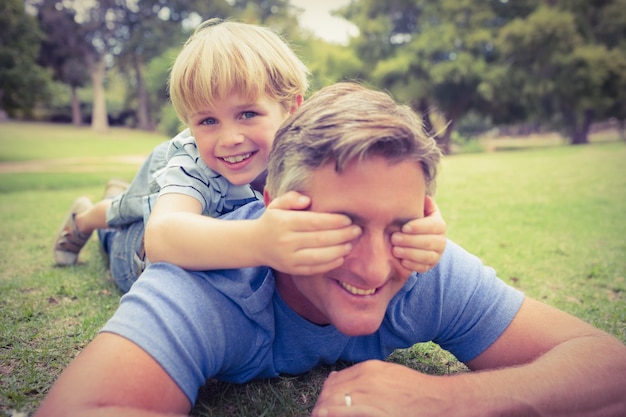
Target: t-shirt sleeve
(184, 174)
(192, 330)
(465, 305)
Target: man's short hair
(347, 122)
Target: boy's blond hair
(222, 57)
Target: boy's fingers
(290, 201)
(422, 256)
(329, 239)
(429, 242)
(307, 221)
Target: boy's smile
(237, 159)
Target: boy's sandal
(69, 240)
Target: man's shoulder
(250, 211)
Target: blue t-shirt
(233, 325)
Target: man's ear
(430, 207)
(297, 103)
(267, 199)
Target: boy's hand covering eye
(421, 242)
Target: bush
(170, 123)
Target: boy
(233, 85)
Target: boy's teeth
(238, 158)
(357, 291)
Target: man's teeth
(237, 158)
(357, 291)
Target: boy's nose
(231, 136)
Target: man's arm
(112, 377)
(546, 363)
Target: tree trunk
(580, 135)
(621, 127)
(445, 140)
(442, 141)
(77, 118)
(3, 114)
(143, 106)
(99, 117)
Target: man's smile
(356, 291)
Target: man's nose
(371, 259)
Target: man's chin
(359, 327)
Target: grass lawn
(550, 220)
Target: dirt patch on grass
(70, 164)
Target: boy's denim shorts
(124, 246)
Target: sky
(316, 17)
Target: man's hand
(382, 389)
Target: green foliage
(328, 63)
(560, 63)
(511, 61)
(429, 53)
(170, 124)
(560, 70)
(156, 75)
(63, 49)
(22, 82)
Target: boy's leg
(124, 247)
(130, 207)
(69, 240)
(82, 219)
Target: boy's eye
(248, 114)
(208, 121)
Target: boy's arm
(285, 237)
(421, 242)
(112, 377)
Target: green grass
(40, 141)
(550, 220)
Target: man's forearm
(585, 376)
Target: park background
(506, 88)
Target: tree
(64, 50)
(97, 24)
(434, 54)
(22, 81)
(329, 62)
(564, 63)
(148, 28)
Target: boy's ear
(297, 103)
(267, 199)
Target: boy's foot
(114, 187)
(69, 240)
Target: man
(356, 152)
